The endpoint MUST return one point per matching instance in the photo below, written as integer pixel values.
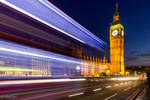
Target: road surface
(97, 89)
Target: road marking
(108, 86)
(134, 94)
(116, 84)
(127, 88)
(121, 83)
(98, 89)
(72, 95)
(110, 96)
(126, 82)
(129, 82)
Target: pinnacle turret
(116, 17)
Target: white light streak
(76, 94)
(75, 24)
(38, 81)
(34, 17)
(125, 78)
(98, 89)
(37, 55)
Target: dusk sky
(96, 16)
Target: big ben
(116, 45)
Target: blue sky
(96, 16)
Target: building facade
(94, 67)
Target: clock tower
(116, 45)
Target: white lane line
(126, 82)
(98, 89)
(121, 83)
(116, 85)
(129, 82)
(108, 86)
(110, 96)
(127, 88)
(72, 95)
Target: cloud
(134, 58)
(147, 57)
(133, 52)
(131, 58)
(146, 54)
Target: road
(97, 89)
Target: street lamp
(108, 71)
(78, 68)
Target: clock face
(115, 32)
(122, 33)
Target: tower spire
(116, 17)
(116, 7)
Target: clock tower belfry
(116, 45)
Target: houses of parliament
(94, 67)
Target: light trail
(40, 20)
(13, 48)
(37, 55)
(46, 90)
(45, 95)
(38, 81)
(38, 91)
(57, 93)
(70, 20)
(9, 68)
(125, 78)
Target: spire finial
(117, 7)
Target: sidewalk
(145, 94)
